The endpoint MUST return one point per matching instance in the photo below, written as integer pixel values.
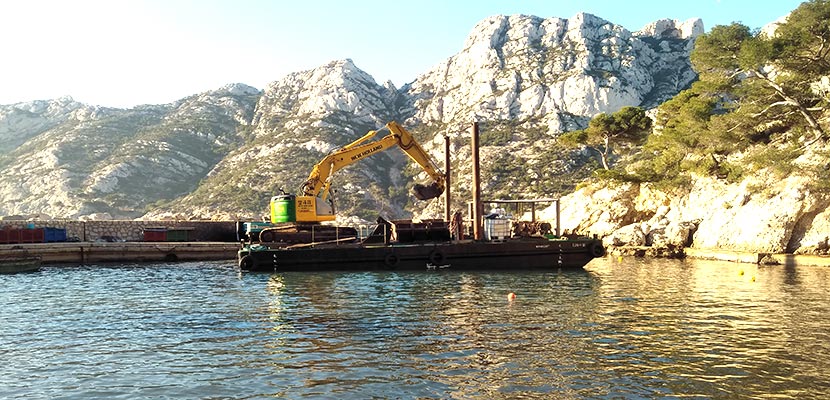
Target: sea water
(620, 328)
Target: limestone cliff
(761, 214)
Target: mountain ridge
(223, 153)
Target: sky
(122, 53)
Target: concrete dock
(759, 258)
(731, 256)
(725, 255)
(801, 260)
(95, 252)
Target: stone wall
(131, 231)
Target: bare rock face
(673, 29)
(816, 239)
(629, 235)
(524, 67)
(96, 217)
(785, 216)
(580, 215)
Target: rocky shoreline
(721, 255)
(762, 215)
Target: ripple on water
(630, 329)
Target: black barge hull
(511, 254)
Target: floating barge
(16, 265)
(460, 255)
(427, 246)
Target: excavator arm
(417, 153)
(319, 181)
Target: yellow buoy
(511, 296)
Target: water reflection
(718, 329)
(635, 328)
(628, 328)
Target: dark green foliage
(495, 137)
(803, 43)
(766, 78)
(775, 159)
(626, 127)
(509, 174)
(819, 172)
(753, 108)
(718, 50)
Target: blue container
(54, 235)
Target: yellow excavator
(314, 205)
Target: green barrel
(283, 209)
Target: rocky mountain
(555, 72)
(527, 79)
(223, 153)
(80, 160)
(296, 122)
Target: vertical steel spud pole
(478, 208)
(447, 180)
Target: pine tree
(629, 125)
(769, 79)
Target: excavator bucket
(426, 192)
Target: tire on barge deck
(391, 260)
(247, 263)
(597, 249)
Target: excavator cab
(290, 208)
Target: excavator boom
(417, 153)
(311, 205)
(319, 181)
